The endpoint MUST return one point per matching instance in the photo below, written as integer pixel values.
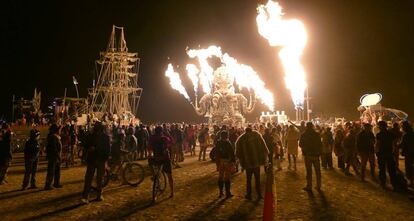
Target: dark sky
(354, 47)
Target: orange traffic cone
(269, 199)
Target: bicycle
(158, 178)
(127, 171)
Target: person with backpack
(98, 148)
(204, 140)
(31, 159)
(225, 160)
(159, 144)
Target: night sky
(354, 47)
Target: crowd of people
(233, 149)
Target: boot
(221, 185)
(228, 185)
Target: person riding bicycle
(161, 155)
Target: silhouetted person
(5, 151)
(252, 152)
(396, 148)
(310, 142)
(292, 143)
(142, 136)
(31, 159)
(270, 143)
(351, 150)
(338, 147)
(407, 147)
(327, 146)
(98, 148)
(131, 143)
(386, 161)
(53, 155)
(159, 145)
(205, 141)
(365, 144)
(225, 160)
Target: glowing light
(370, 99)
(291, 36)
(175, 81)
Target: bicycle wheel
(133, 174)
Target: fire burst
(244, 75)
(291, 36)
(175, 81)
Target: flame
(244, 75)
(206, 71)
(192, 73)
(175, 81)
(291, 36)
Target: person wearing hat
(31, 158)
(53, 156)
(311, 144)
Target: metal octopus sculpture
(224, 106)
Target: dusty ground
(343, 198)
(196, 198)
